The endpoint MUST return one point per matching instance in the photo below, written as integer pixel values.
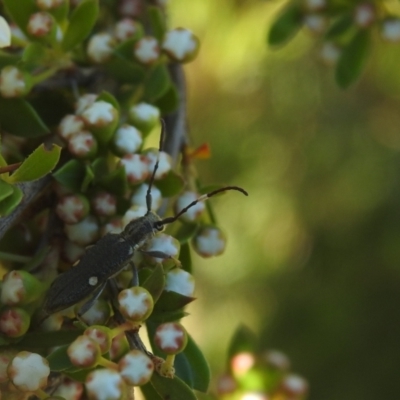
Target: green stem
(43, 75)
(14, 257)
(107, 363)
(41, 394)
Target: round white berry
(147, 50)
(136, 368)
(181, 45)
(135, 303)
(100, 47)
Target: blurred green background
(313, 257)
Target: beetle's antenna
(201, 198)
(148, 194)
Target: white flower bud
(136, 368)
(98, 314)
(209, 242)
(84, 102)
(69, 389)
(12, 82)
(72, 208)
(40, 24)
(171, 337)
(127, 140)
(134, 212)
(105, 384)
(28, 371)
(136, 167)
(101, 335)
(390, 30)
(135, 303)
(180, 281)
(70, 125)
(125, 28)
(164, 163)
(84, 352)
(99, 114)
(181, 45)
(84, 232)
(144, 112)
(100, 47)
(147, 50)
(104, 204)
(82, 145)
(195, 211)
(163, 243)
(139, 197)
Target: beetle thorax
(140, 230)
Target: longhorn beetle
(111, 254)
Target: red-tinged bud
(101, 335)
(19, 288)
(84, 352)
(127, 28)
(49, 4)
(242, 362)
(14, 82)
(70, 125)
(6, 356)
(181, 45)
(226, 384)
(171, 337)
(136, 168)
(136, 368)
(73, 208)
(83, 145)
(136, 303)
(147, 50)
(105, 384)
(104, 204)
(364, 15)
(14, 322)
(69, 389)
(40, 24)
(101, 118)
(209, 241)
(28, 371)
(119, 346)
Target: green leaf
(6, 189)
(115, 181)
(199, 368)
(78, 375)
(185, 257)
(340, 26)
(183, 369)
(157, 22)
(81, 23)
(88, 178)
(99, 167)
(45, 340)
(243, 340)
(20, 11)
(19, 118)
(34, 54)
(11, 202)
(149, 392)
(59, 360)
(109, 98)
(71, 175)
(185, 233)
(8, 59)
(124, 70)
(353, 59)
(171, 185)
(286, 25)
(173, 389)
(38, 164)
(155, 282)
(169, 101)
(168, 316)
(157, 83)
(171, 301)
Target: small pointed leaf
(169, 101)
(243, 340)
(59, 360)
(71, 175)
(157, 22)
(172, 388)
(171, 185)
(155, 282)
(286, 25)
(38, 164)
(11, 202)
(81, 23)
(6, 189)
(157, 83)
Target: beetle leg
(135, 275)
(96, 294)
(155, 254)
